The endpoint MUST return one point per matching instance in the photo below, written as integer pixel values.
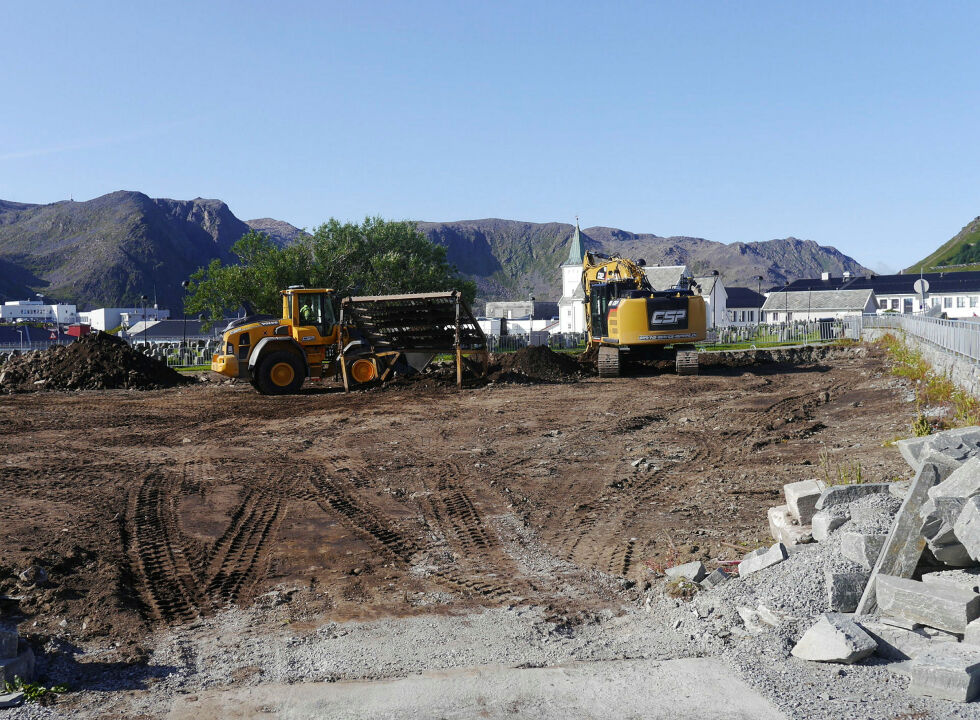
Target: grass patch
(33, 692)
(840, 473)
(192, 368)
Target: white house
(37, 311)
(109, 318)
(789, 305)
(744, 306)
(715, 299)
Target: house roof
(707, 283)
(575, 253)
(742, 297)
(817, 300)
(665, 277)
(953, 282)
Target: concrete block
(862, 549)
(783, 529)
(801, 499)
(967, 579)
(844, 590)
(843, 494)
(835, 638)
(21, 666)
(951, 672)
(761, 559)
(8, 644)
(895, 643)
(693, 571)
(13, 699)
(967, 527)
(972, 634)
(939, 514)
(825, 522)
(933, 604)
(962, 483)
(904, 545)
(715, 578)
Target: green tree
(377, 257)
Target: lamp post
(786, 301)
(183, 310)
(143, 299)
(21, 333)
(758, 320)
(530, 327)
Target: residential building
(744, 306)
(109, 318)
(521, 308)
(790, 305)
(37, 311)
(715, 299)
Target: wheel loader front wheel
(279, 373)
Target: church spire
(575, 253)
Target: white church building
(571, 306)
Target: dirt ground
(149, 508)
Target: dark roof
(9, 334)
(893, 284)
(175, 329)
(740, 297)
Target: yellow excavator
(374, 337)
(626, 318)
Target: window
(947, 302)
(960, 301)
(894, 303)
(751, 315)
(907, 306)
(883, 304)
(973, 300)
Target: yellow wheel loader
(626, 318)
(373, 338)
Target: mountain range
(113, 249)
(960, 252)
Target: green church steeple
(575, 253)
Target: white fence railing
(957, 336)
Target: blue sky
(852, 124)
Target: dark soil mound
(95, 362)
(534, 364)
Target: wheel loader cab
(305, 309)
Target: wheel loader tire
(279, 373)
(686, 361)
(608, 361)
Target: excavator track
(686, 361)
(608, 362)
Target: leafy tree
(377, 257)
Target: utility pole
(183, 311)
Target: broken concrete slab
(904, 545)
(965, 578)
(949, 671)
(762, 558)
(693, 571)
(939, 514)
(8, 643)
(21, 667)
(784, 530)
(825, 522)
(944, 463)
(967, 527)
(939, 606)
(956, 444)
(11, 699)
(964, 482)
(835, 638)
(844, 494)
(715, 578)
(801, 499)
(862, 548)
(844, 589)
(896, 643)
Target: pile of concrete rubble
(868, 573)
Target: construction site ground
(154, 512)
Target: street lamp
(21, 333)
(530, 327)
(143, 299)
(758, 320)
(183, 309)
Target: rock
(754, 621)
(972, 634)
(693, 571)
(844, 494)
(21, 667)
(861, 548)
(963, 483)
(825, 522)
(801, 499)
(834, 638)
(34, 575)
(895, 643)
(967, 527)
(934, 604)
(11, 699)
(967, 579)
(761, 559)
(954, 444)
(716, 577)
(844, 589)
(783, 530)
(951, 672)
(8, 644)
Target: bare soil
(150, 508)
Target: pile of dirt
(95, 362)
(534, 364)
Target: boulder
(934, 604)
(844, 589)
(834, 638)
(862, 548)
(801, 499)
(693, 571)
(967, 527)
(761, 559)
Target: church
(571, 306)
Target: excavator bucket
(415, 328)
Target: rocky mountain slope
(508, 258)
(961, 252)
(115, 248)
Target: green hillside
(961, 252)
